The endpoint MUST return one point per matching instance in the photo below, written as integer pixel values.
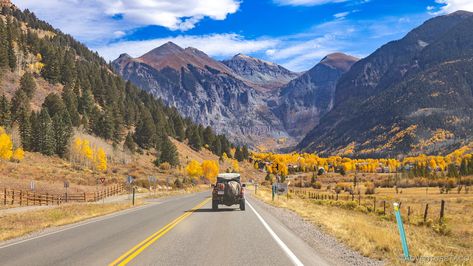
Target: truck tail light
(221, 186)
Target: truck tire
(242, 204)
(214, 205)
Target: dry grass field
(19, 224)
(376, 235)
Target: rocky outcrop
(259, 73)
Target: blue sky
(293, 33)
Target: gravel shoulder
(331, 249)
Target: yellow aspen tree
(235, 166)
(210, 170)
(194, 169)
(6, 145)
(101, 160)
(18, 155)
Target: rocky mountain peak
(461, 13)
(339, 60)
(259, 72)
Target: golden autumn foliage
(18, 155)
(37, 66)
(101, 160)
(84, 154)
(210, 170)
(6, 146)
(306, 162)
(194, 169)
(235, 166)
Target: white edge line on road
(94, 220)
(284, 247)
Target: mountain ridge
(406, 94)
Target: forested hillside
(411, 96)
(89, 96)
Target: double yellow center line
(136, 250)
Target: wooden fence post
(4, 196)
(27, 199)
(442, 209)
(384, 207)
(359, 199)
(374, 204)
(21, 197)
(84, 197)
(426, 211)
(47, 199)
(12, 196)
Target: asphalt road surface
(177, 231)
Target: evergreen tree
(20, 104)
(25, 131)
(168, 153)
(452, 170)
(238, 154)
(129, 143)
(35, 132)
(28, 84)
(208, 136)
(54, 104)
(102, 124)
(464, 167)
(245, 152)
(3, 46)
(70, 101)
(470, 166)
(5, 115)
(86, 102)
(195, 141)
(217, 147)
(145, 133)
(179, 129)
(62, 129)
(51, 70)
(46, 138)
(68, 69)
(11, 47)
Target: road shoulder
(328, 248)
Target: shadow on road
(219, 210)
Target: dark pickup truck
(228, 191)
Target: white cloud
(341, 14)
(450, 6)
(217, 45)
(92, 20)
(306, 2)
(172, 14)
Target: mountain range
(248, 99)
(410, 96)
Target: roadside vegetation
(377, 236)
(23, 223)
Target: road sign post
(402, 233)
(32, 185)
(133, 199)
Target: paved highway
(176, 231)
